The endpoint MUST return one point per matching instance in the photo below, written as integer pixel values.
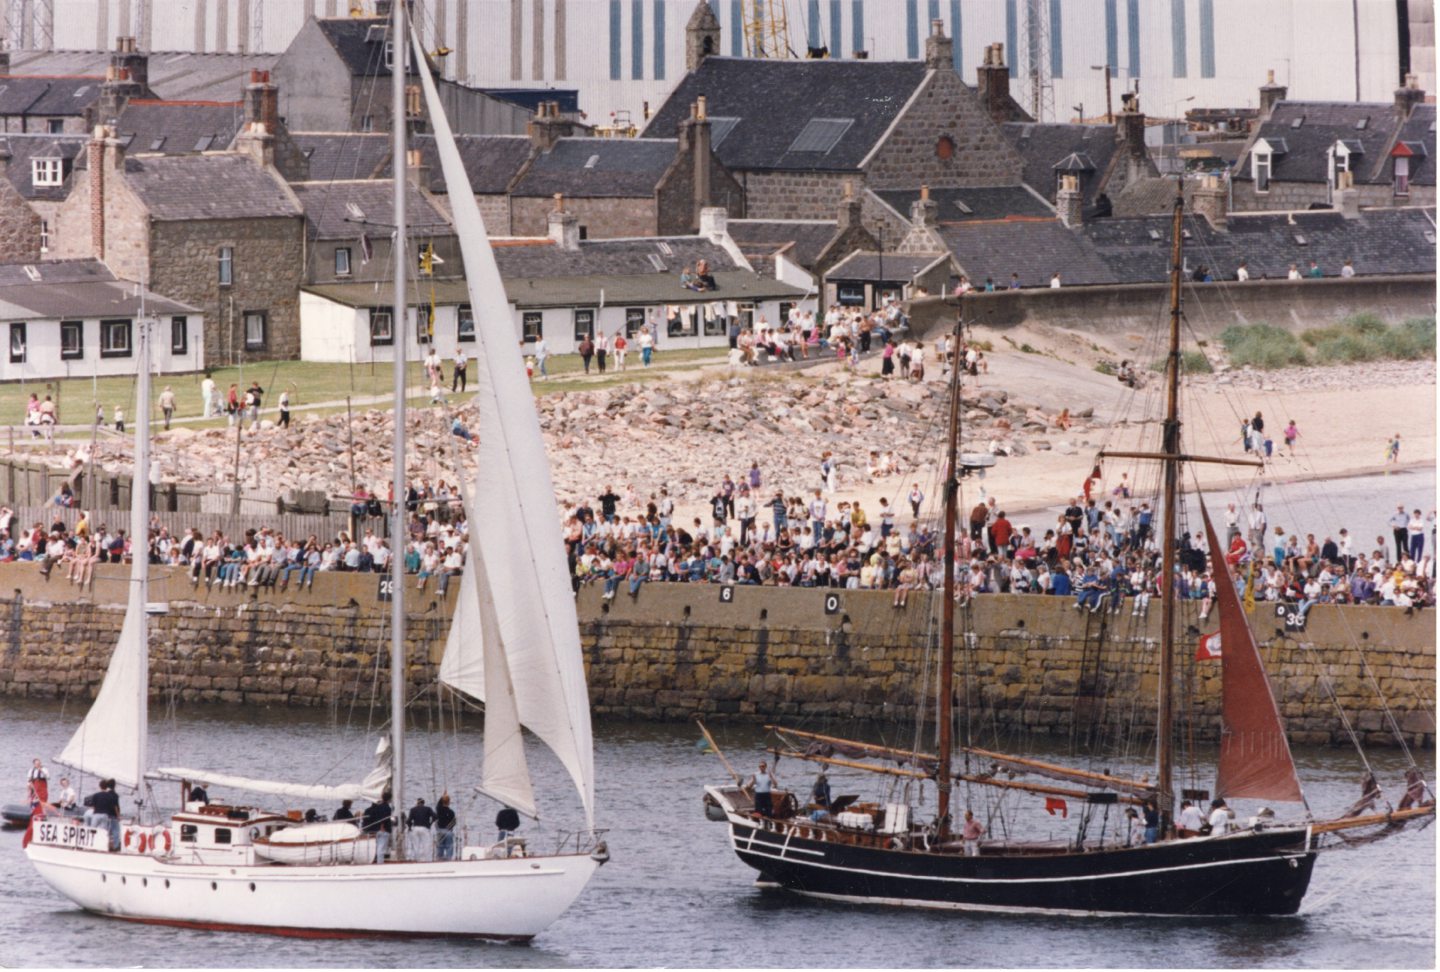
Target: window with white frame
(532, 326)
(47, 172)
(584, 324)
(255, 330)
(1260, 170)
(1402, 176)
(342, 261)
(44, 236)
(179, 335)
(227, 265)
(72, 340)
(55, 126)
(17, 343)
(382, 329)
(115, 338)
(464, 323)
(634, 320)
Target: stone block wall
(1300, 195)
(793, 195)
(976, 153)
(675, 210)
(269, 268)
(1031, 666)
(602, 217)
(19, 226)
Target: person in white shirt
(1191, 821)
(1220, 816)
(457, 380)
(207, 397)
(1294, 273)
(1242, 274)
(1055, 281)
(1348, 270)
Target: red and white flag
(1209, 647)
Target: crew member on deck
(379, 819)
(1220, 816)
(346, 811)
(38, 784)
(971, 833)
(197, 794)
(762, 783)
(820, 792)
(444, 829)
(1191, 822)
(421, 820)
(67, 798)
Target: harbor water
(674, 894)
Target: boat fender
(160, 836)
(925, 841)
(895, 843)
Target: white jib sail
(113, 737)
(526, 574)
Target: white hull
(507, 898)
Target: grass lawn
(311, 384)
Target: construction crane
(767, 29)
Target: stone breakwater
(1032, 664)
(683, 435)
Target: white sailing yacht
(514, 644)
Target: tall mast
(1165, 722)
(399, 330)
(140, 534)
(946, 707)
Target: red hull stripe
(314, 932)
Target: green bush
(1107, 368)
(1191, 363)
(1262, 346)
(1358, 338)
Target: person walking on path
(458, 378)
(284, 422)
(167, 406)
(541, 354)
(587, 353)
(1291, 434)
(207, 397)
(1392, 452)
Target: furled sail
(1255, 756)
(370, 788)
(114, 735)
(525, 569)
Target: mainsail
(113, 737)
(524, 570)
(1255, 756)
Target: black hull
(1252, 873)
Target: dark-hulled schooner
(883, 853)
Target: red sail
(1255, 756)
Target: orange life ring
(141, 842)
(128, 834)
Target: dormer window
(1260, 170)
(1402, 175)
(47, 172)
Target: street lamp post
(1109, 115)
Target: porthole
(214, 886)
(252, 885)
(122, 879)
(167, 883)
(144, 882)
(102, 879)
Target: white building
(561, 288)
(74, 319)
(622, 53)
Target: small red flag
(1054, 804)
(1209, 648)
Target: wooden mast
(1165, 721)
(945, 708)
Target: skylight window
(821, 135)
(960, 205)
(33, 272)
(202, 143)
(1300, 240)
(590, 162)
(656, 262)
(1429, 236)
(355, 211)
(1362, 124)
(81, 91)
(1155, 235)
(664, 248)
(156, 144)
(1298, 122)
(719, 128)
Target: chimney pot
(700, 102)
(924, 192)
(559, 202)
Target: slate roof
(328, 213)
(174, 75)
(491, 161)
(1151, 195)
(774, 100)
(1137, 250)
(1321, 125)
(45, 96)
(344, 155)
(599, 167)
(619, 258)
(1032, 248)
(982, 202)
(879, 268)
(1044, 146)
(75, 288)
(1418, 128)
(347, 35)
(179, 127)
(23, 149)
(213, 186)
(767, 237)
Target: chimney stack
(850, 209)
(1347, 197)
(416, 170)
(714, 222)
(1070, 201)
(97, 163)
(548, 126)
(1212, 200)
(698, 142)
(1408, 95)
(992, 83)
(923, 211)
(127, 58)
(4, 57)
(262, 119)
(1271, 94)
(564, 226)
(939, 49)
(1131, 126)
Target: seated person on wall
(688, 280)
(705, 279)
